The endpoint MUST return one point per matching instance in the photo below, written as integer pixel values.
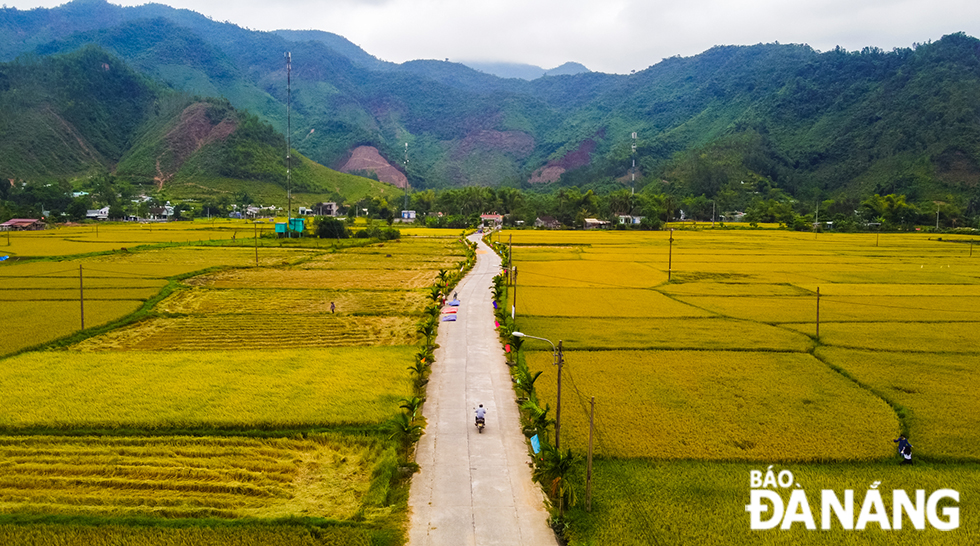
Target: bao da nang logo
(768, 510)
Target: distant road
(474, 489)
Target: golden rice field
(299, 301)
(188, 477)
(717, 405)
(87, 238)
(638, 502)
(939, 390)
(602, 302)
(239, 535)
(269, 388)
(255, 331)
(322, 279)
(209, 406)
(699, 334)
(731, 370)
(28, 323)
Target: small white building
(630, 220)
(98, 214)
(408, 215)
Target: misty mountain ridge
(525, 71)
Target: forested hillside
(87, 116)
(732, 123)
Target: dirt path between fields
(474, 489)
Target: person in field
(907, 454)
(904, 449)
(332, 307)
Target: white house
(630, 220)
(99, 214)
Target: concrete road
(474, 489)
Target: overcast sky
(605, 35)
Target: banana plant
(412, 405)
(553, 471)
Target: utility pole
(670, 255)
(513, 310)
(818, 312)
(816, 219)
(406, 176)
(256, 226)
(633, 171)
(289, 193)
(510, 255)
(588, 471)
(81, 295)
(561, 360)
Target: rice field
(722, 363)
(639, 502)
(717, 405)
(27, 323)
(331, 279)
(938, 391)
(247, 406)
(255, 332)
(298, 301)
(187, 477)
(204, 388)
(698, 334)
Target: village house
(630, 220)
(98, 214)
(595, 223)
(547, 222)
(22, 224)
(324, 209)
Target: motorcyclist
(481, 412)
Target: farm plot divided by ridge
(241, 396)
(723, 363)
(718, 405)
(255, 332)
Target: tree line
(754, 202)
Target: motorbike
(480, 423)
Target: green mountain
(86, 112)
(806, 123)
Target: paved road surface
(474, 489)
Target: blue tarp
(449, 318)
(454, 303)
(3, 258)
